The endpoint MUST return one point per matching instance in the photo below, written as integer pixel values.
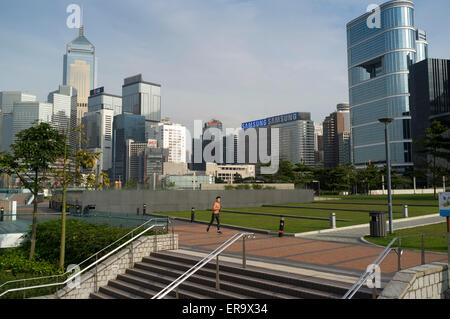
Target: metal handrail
(79, 265)
(201, 263)
(380, 258)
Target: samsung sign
(280, 119)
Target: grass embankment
(339, 206)
(432, 243)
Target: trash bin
(377, 224)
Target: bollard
(405, 211)
(137, 211)
(281, 232)
(333, 220)
(144, 209)
(192, 214)
(2, 214)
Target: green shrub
(229, 187)
(269, 187)
(82, 240)
(15, 261)
(257, 186)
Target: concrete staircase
(159, 269)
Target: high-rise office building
(7, 100)
(172, 137)
(378, 61)
(336, 133)
(125, 127)
(142, 98)
(318, 144)
(99, 100)
(98, 128)
(296, 138)
(25, 114)
(429, 83)
(63, 100)
(80, 71)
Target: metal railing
(370, 273)
(204, 261)
(93, 264)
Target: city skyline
(213, 59)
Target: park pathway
(353, 234)
(339, 258)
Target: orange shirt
(216, 208)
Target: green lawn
(432, 243)
(304, 225)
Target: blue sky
(233, 60)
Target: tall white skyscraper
(173, 137)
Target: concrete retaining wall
(117, 264)
(429, 281)
(127, 201)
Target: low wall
(407, 191)
(215, 187)
(128, 201)
(429, 281)
(118, 264)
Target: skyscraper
(378, 61)
(98, 126)
(429, 83)
(296, 137)
(172, 137)
(99, 100)
(125, 126)
(336, 132)
(26, 113)
(63, 100)
(80, 71)
(142, 98)
(7, 100)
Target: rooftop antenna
(81, 22)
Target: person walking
(215, 214)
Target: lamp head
(386, 120)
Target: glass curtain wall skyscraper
(378, 61)
(80, 72)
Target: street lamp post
(386, 122)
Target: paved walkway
(338, 258)
(352, 235)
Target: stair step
(155, 287)
(330, 286)
(243, 282)
(186, 285)
(118, 293)
(227, 285)
(99, 295)
(284, 284)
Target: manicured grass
(432, 243)
(304, 225)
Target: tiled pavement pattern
(344, 258)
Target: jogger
(215, 214)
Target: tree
(303, 174)
(31, 155)
(435, 145)
(83, 174)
